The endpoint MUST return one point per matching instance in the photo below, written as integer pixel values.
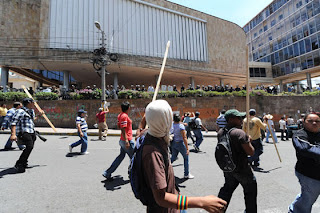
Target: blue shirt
(23, 120)
(221, 121)
(83, 123)
(7, 120)
(176, 128)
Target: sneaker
(20, 168)
(108, 178)
(70, 148)
(103, 139)
(189, 176)
(196, 148)
(84, 153)
(22, 147)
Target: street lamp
(103, 68)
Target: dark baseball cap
(234, 113)
(25, 101)
(81, 111)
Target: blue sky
(236, 11)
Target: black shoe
(9, 148)
(20, 168)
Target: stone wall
(63, 113)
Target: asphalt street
(63, 182)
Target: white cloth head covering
(159, 119)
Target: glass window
(280, 17)
(265, 28)
(45, 73)
(316, 7)
(276, 58)
(273, 22)
(260, 31)
(303, 63)
(279, 43)
(290, 51)
(302, 47)
(300, 33)
(317, 19)
(255, 35)
(285, 54)
(316, 58)
(284, 42)
(295, 49)
(294, 36)
(304, 16)
(256, 72)
(298, 20)
(308, 44)
(289, 39)
(272, 59)
(314, 42)
(275, 46)
(310, 61)
(309, 10)
(305, 31)
(251, 72)
(281, 56)
(312, 27)
(263, 72)
(287, 68)
(293, 22)
(267, 12)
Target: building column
(309, 83)
(221, 82)
(115, 84)
(281, 86)
(66, 79)
(192, 82)
(298, 87)
(4, 78)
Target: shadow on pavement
(9, 150)
(12, 170)
(177, 165)
(64, 137)
(258, 169)
(115, 184)
(72, 154)
(198, 152)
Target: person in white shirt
(290, 121)
(283, 129)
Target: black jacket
(307, 145)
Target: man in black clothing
(241, 147)
(306, 141)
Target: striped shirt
(83, 123)
(221, 121)
(23, 120)
(7, 120)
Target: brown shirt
(155, 171)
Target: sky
(236, 11)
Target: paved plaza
(62, 182)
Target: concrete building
(60, 35)
(286, 34)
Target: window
(299, 33)
(298, 20)
(309, 61)
(281, 56)
(304, 16)
(308, 44)
(316, 58)
(255, 35)
(302, 47)
(290, 52)
(285, 54)
(265, 28)
(280, 17)
(270, 38)
(305, 31)
(260, 31)
(273, 22)
(316, 7)
(294, 37)
(312, 27)
(309, 10)
(299, 4)
(257, 72)
(276, 58)
(295, 49)
(314, 42)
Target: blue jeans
(249, 184)
(119, 159)
(258, 150)
(199, 136)
(83, 141)
(274, 135)
(310, 191)
(180, 147)
(9, 145)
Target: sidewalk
(94, 132)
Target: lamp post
(103, 68)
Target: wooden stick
(274, 141)
(161, 72)
(38, 107)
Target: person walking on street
(158, 172)
(22, 126)
(306, 141)
(221, 120)
(82, 128)
(283, 129)
(3, 112)
(7, 124)
(102, 124)
(126, 140)
(180, 144)
(255, 126)
(197, 132)
(241, 147)
(186, 121)
(272, 131)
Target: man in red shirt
(102, 125)
(126, 141)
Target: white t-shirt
(270, 122)
(282, 124)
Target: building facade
(287, 34)
(60, 35)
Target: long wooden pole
(274, 141)
(248, 91)
(38, 107)
(161, 72)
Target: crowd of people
(160, 129)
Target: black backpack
(192, 124)
(223, 152)
(138, 184)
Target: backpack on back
(192, 124)
(137, 181)
(223, 152)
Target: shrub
(12, 96)
(46, 96)
(309, 93)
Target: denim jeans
(310, 191)
(249, 184)
(282, 134)
(27, 139)
(189, 135)
(258, 150)
(199, 136)
(274, 136)
(180, 147)
(119, 159)
(9, 145)
(83, 141)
